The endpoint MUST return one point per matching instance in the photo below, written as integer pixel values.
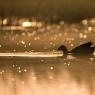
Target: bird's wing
(83, 48)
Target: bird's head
(64, 49)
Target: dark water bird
(83, 50)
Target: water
(46, 76)
(49, 54)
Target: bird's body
(80, 51)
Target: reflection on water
(55, 76)
(47, 76)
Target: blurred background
(40, 26)
(69, 10)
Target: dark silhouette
(80, 51)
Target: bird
(83, 50)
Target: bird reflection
(83, 50)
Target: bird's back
(84, 49)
